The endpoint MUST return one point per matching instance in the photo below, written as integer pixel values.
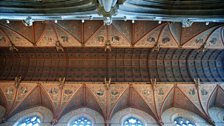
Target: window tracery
(30, 121)
(132, 121)
(180, 121)
(81, 121)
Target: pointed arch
(170, 114)
(119, 117)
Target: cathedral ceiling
(183, 11)
(150, 55)
(153, 98)
(141, 34)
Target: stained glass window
(30, 121)
(132, 121)
(81, 121)
(180, 121)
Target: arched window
(30, 121)
(132, 121)
(180, 121)
(81, 121)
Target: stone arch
(96, 118)
(217, 115)
(119, 117)
(44, 113)
(170, 114)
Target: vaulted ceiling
(108, 55)
(153, 99)
(141, 34)
(166, 10)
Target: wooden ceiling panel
(19, 28)
(215, 40)
(162, 91)
(191, 32)
(166, 38)
(198, 40)
(151, 38)
(49, 37)
(144, 91)
(121, 65)
(124, 28)
(72, 27)
(182, 101)
(144, 34)
(141, 28)
(118, 38)
(4, 39)
(99, 38)
(67, 39)
(89, 28)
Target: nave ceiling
(108, 55)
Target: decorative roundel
(180, 121)
(132, 121)
(81, 121)
(30, 121)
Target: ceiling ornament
(59, 46)
(28, 21)
(186, 23)
(108, 8)
(17, 81)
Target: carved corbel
(107, 83)
(59, 47)
(12, 47)
(153, 82)
(202, 48)
(17, 81)
(156, 48)
(186, 23)
(61, 82)
(197, 82)
(53, 122)
(107, 45)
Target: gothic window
(180, 121)
(81, 121)
(30, 121)
(132, 121)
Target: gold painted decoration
(66, 39)
(99, 91)
(150, 39)
(115, 92)
(98, 39)
(215, 40)
(199, 40)
(205, 92)
(146, 92)
(68, 92)
(23, 91)
(54, 92)
(9, 91)
(125, 28)
(191, 93)
(161, 92)
(49, 37)
(166, 38)
(117, 38)
(175, 29)
(18, 40)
